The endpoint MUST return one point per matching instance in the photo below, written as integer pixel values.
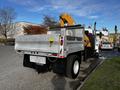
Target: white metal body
(49, 45)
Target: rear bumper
(103, 48)
(37, 53)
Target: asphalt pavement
(109, 53)
(13, 76)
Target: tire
(26, 61)
(118, 49)
(72, 66)
(84, 55)
(59, 66)
(96, 55)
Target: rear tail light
(54, 54)
(110, 45)
(61, 57)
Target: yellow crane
(67, 20)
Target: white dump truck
(61, 49)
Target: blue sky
(105, 12)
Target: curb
(88, 76)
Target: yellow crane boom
(66, 19)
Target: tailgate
(41, 43)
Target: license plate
(106, 46)
(38, 59)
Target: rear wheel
(59, 66)
(72, 66)
(85, 55)
(26, 61)
(118, 49)
(96, 55)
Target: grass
(106, 77)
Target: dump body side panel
(40, 43)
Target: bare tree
(7, 15)
(49, 21)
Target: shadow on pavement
(59, 82)
(41, 69)
(38, 68)
(75, 83)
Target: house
(18, 28)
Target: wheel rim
(76, 67)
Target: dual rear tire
(26, 61)
(72, 66)
(119, 49)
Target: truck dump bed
(40, 43)
(58, 42)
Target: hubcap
(76, 67)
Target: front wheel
(72, 66)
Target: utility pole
(115, 29)
(94, 31)
(95, 41)
(115, 36)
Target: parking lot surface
(13, 76)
